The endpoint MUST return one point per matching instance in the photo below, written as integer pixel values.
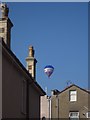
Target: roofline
(72, 86)
(42, 92)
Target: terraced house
(72, 103)
(19, 92)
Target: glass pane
(73, 115)
(73, 98)
(73, 95)
(73, 92)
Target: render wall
(14, 93)
(61, 106)
(0, 79)
(45, 110)
(34, 103)
(11, 89)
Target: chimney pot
(31, 51)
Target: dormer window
(73, 95)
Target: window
(73, 95)
(74, 115)
(88, 114)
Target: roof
(75, 86)
(31, 80)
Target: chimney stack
(4, 10)
(31, 62)
(31, 51)
(5, 24)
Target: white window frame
(74, 117)
(88, 114)
(73, 95)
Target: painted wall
(61, 105)
(45, 108)
(34, 103)
(14, 92)
(11, 89)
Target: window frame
(72, 95)
(74, 117)
(87, 114)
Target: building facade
(19, 92)
(45, 107)
(71, 104)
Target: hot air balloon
(48, 70)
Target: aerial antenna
(68, 82)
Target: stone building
(72, 103)
(19, 92)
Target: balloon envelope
(49, 70)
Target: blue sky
(59, 34)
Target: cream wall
(45, 108)
(12, 78)
(34, 103)
(12, 89)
